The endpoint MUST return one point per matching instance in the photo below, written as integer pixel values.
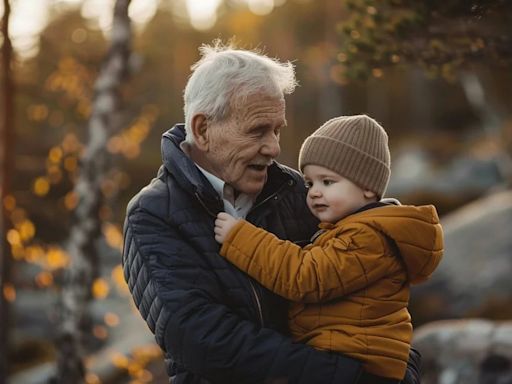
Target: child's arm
(310, 275)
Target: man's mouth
(258, 167)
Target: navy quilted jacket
(215, 324)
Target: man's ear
(369, 194)
(199, 127)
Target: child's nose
(314, 192)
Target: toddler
(350, 288)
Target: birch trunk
(104, 121)
(6, 153)
(492, 121)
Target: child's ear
(369, 194)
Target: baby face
(331, 197)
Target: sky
(29, 17)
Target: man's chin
(253, 190)
(253, 186)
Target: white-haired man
(214, 323)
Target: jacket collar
(370, 206)
(180, 165)
(191, 178)
(327, 226)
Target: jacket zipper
(258, 303)
(255, 293)
(269, 197)
(204, 205)
(256, 297)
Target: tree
(6, 152)
(452, 39)
(441, 36)
(104, 121)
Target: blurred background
(89, 86)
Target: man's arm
(180, 298)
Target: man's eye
(257, 132)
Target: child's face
(331, 197)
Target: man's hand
(223, 224)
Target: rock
(465, 352)
(414, 171)
(474, 277)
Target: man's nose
(270, 146)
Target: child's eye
(308, 184)
(328, 182)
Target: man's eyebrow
(268, 125)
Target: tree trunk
(330, 100)
(75, 321)
(492, 121)
(6, 153)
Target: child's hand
(223, 225)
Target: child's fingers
(219, 222)
(218, 227)
(223, 216)
(219, 235)
(223, 223)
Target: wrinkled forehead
(261, 107)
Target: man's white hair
(225, 76)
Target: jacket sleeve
(314, 274)
(181, 300)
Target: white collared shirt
(238, 207)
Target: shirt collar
(216, 183)
(224, 190)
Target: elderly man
(214, 323)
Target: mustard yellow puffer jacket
(350, 288)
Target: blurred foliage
(441, 36)
(136, 364)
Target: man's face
(241, 147)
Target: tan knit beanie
(355, 147)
